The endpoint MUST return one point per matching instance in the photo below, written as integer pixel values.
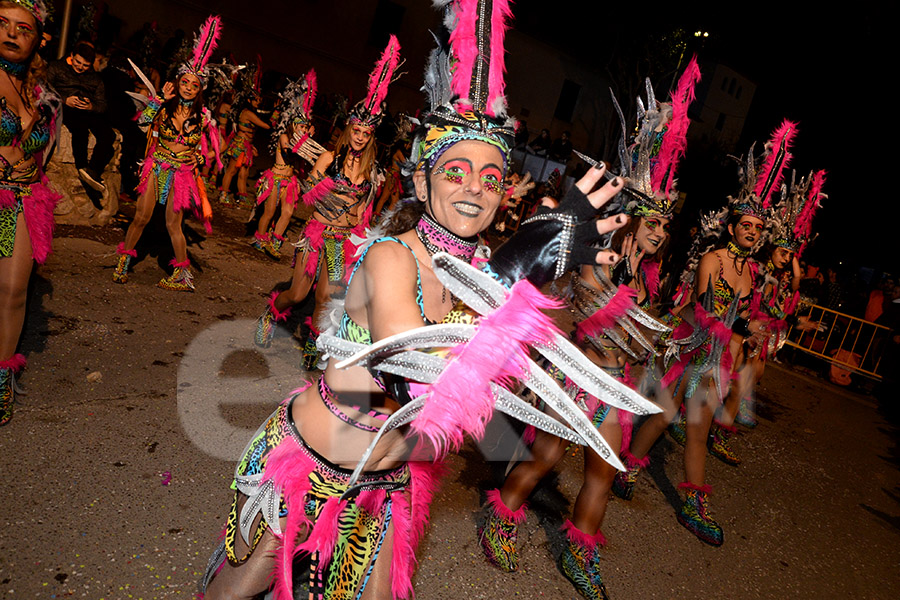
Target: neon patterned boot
(500, 532)
(8, 370)
(694, 514)
(181, 279)
(678, 428)
(260, 241)
(274, 247)
(746, 416)
(120, 275)
(265, 325)
(623, 484)
(580, 562)
(720, 444)
(310, 360)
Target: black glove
(550, 243)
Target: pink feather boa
(605, 317)
(651, 277)
(461, 401)
(38, 202)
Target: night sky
(826, 70)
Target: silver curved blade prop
(143, 78)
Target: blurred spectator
(84, 96)
(878, 298)
(561, 149)
(541, 144)
(522, 133)
(834, 295)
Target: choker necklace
(436, 238)
(15, 69)
(737, 251)
(185, 103)
(354, 153)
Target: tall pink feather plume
(411, 514)
(606, 317)
(38, 211)
(464, 46)
(381, 77)
(651, 277)
(770, 175)
(310, 97)
(675, 140)
(319, 191)
(289, 467)
(803, 226)
(461, 401)
(206, 42)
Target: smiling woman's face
(466, 187)
(651, 234)
(18, 34)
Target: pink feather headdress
(755, 197)
(648, 164)
(792, 227)
(369, 111)
(204, 45)
(465, 87)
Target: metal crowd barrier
(843, 340)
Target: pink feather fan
(478, 76)
(675, 141)
(206, 43)
(770, 175)
(382, 76)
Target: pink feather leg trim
(16, 363)
(529, 435)
(772, 171)
(588, 542)
(120, 249)
(687, 485)
(632, 461)
(183, 265)
(495, 502)
(280, 315)
(461, 401)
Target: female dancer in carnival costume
(240, 152)
(342, 187)
(180, 131)
(725, 281)
(29, 125)
(279, 186)
(297, 491)
(610, 301)
(790, 230)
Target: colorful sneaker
(500, 532)
(746, 416)
(694, 514)
(719, 444)
(8, 370)
(678, 428)
(265, 325)
(274, 247)
(623, 483)
(580, 562)
(120, 275)
(181, 279)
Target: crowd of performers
(432, 332)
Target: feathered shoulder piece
(792, 221)
(204, 44)
(465, 82)
(369, 111)
(759, 182)
(651, 161)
